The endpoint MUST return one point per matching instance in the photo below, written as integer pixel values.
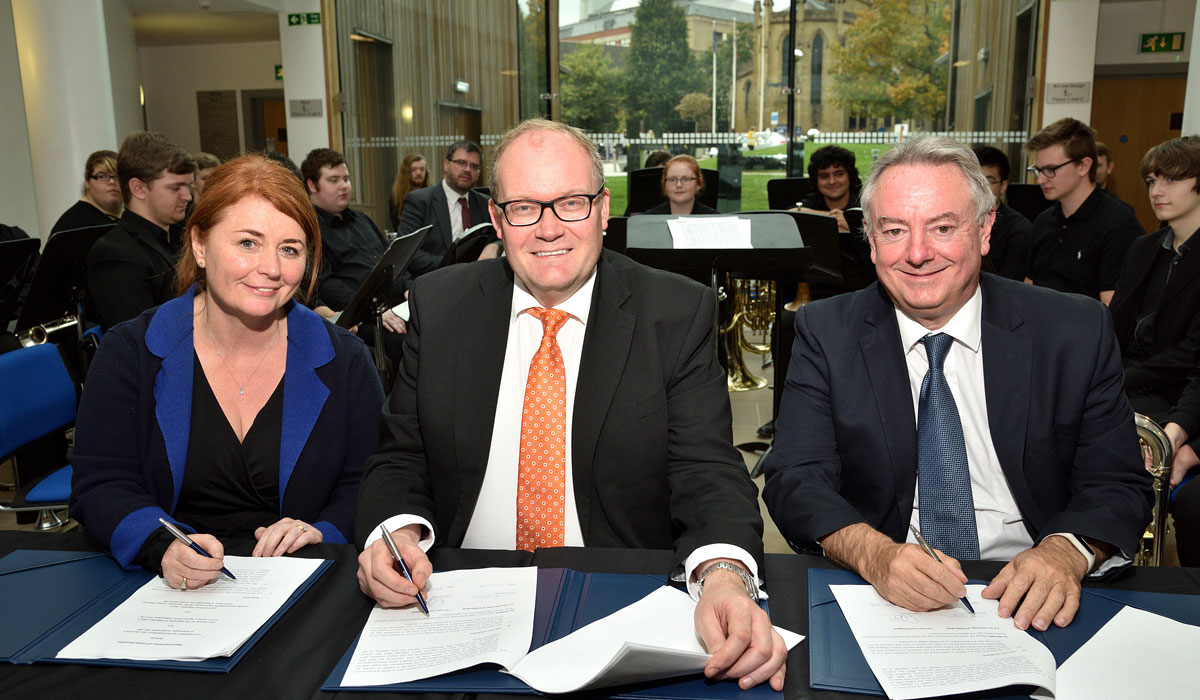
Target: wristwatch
(747, 579)
(1084, 548)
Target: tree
(695, 106)
(745, 53)
(591, 89)
(661, 68)
(888, 65)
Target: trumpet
(37, 335)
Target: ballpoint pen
(391, 545)
(182, 537)
(929, 550)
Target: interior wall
(171, 76)
(17, 196)
(123, 67)
(1070, 56)
(1122, 24)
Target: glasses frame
(463, 163)
(1050, 170)
(591, 200)
(681, 180)
(102, 177)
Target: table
(293, 659)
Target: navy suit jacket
(652, 455)
(427, 206)
(846, 441)
(134, 423)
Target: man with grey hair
(985, 413)
(565, 395)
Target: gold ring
(303, 528)
(183, 586)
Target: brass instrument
(1157, 446)
(753, 309)
(37, 335)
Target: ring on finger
(303, 527)
(183, 586)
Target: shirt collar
(964, 326)
(451, 195)
(578, 305)
(329, 218)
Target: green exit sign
(296, 19)
(1161, 43)
(278, 72)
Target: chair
(1027, 199)
(784, 192)
(40, 400)
(616, 236)
(645, 189)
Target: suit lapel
(606, 345)
(1007, 377)
(441, 212)
(883, 357)
(304, 394)
(169, 336)
(480, 347)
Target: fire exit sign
(1161, 43)
(296, 19)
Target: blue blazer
(846, 441)
(131, 434)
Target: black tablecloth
(293, 659)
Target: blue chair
(39, 400)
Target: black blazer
(428, 206)
(846, 442)
(130, 269)
(653, 461)
(1176, 337)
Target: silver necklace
(221, 356)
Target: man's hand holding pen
(902, 573)
(380, 578)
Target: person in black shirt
(1079, 243)
(838, 185)
(1011, 232)
(101, 202)
(1155, 308)
(132, 268)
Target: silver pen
(929, 550)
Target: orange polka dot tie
(542, 467)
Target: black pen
(929, 550)
(391, 545)
(182, 537)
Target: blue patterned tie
(946, 505)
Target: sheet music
(475, 616)
(707, 232)
(943, 652)
(160, 623)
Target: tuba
(753, 309)
(37, 335)
(1157, 446)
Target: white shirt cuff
(398, 521)
(717, 551)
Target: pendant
(241, 391)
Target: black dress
(665, 208)
(230, 488)
(82, 214)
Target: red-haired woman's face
(681, 184)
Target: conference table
(296, 655)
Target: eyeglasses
(992, 180)
(102, 177)
(680, 180)
(527, 212)
(1049, 170)
(466, 164)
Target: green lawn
(754, 182)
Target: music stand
(468, 247)
(15, 258)
(60, 283)
(374, 296)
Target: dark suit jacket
(846, 442)
(428, 206)
(1176, 336)
(134, 423)
(653, 461)
(130, 269)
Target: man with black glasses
(1079, 243)
(450, 206)
(567, 396)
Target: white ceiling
(181, 22)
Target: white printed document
(159, 623)
(943, 652)
(707, 232)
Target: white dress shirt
(456, 222)
(493, 524)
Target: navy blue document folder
(566, 601)
(60, 595)
(837, 663)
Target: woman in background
(232, 410)
(101, 204)
(412, 176)
(682, 183)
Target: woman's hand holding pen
(184, 569)
(379, 578)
